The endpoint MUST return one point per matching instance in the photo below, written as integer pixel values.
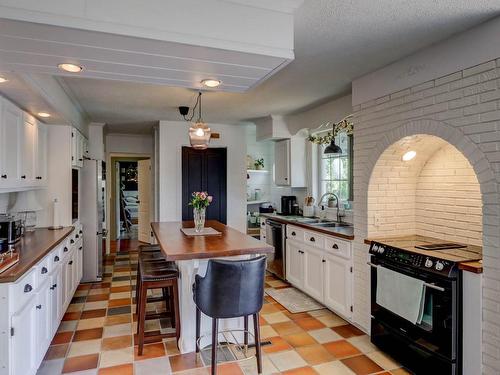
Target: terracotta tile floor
(97, 336)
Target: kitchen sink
(330, 225)
(308, 221)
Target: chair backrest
(231, 288)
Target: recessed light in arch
(212, 83)
(3, 79)
(44, 114)
(70, 68)
(409, 155)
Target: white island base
(187, 342)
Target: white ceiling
(335, 42)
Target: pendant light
(199, 132)
(332, 148)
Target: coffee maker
(289, 205)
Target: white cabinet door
(56, 299)
(313, 272)
(11, 128)
(28, 141)
(66, 282)
(79, 262)
(41, 153)
(338, 284)
(282, 162)
(74, 147)
(23, 353)
(294, 264)
(43, 310)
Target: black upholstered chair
(231, 289)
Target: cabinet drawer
(43, 269)
(338, 247)
(294, 233)
(56, 256)
(23, 290)
(66, 249)
(314, 239)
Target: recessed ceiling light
(71, 68)
(44, 114)
(211, 83)
(409, 155)
(2, 79)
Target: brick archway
(488, 186)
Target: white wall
(448, 199)
(172, 136)
(129, 143)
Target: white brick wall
(463, 109)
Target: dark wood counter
(177, 246)
(32, 247)
(341, 232)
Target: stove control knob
(375, 248)
(428, 263)
(381, 249)
(439, 266)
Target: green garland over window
(345, 125)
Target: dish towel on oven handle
(401, 294)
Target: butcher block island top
(175, 245)
(32, 247)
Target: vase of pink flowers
(200, 200)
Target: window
(335, 170)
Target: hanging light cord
(196, 105)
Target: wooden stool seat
(156, 274)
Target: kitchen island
(191, 253)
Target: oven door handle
(427, 285)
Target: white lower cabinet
(36, 304)
(338, 284)
(294, 264)
(43, 311)
(23, 357)
(313, 272)
(322, 271)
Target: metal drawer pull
(28, 288)
(70, 262)
(39, 307)
(301, 252)
(4, 176)
(65, 249)
(293, 233)
(81, 247)
(77, 236)
(312, 239)
(56, 258)
(72, 241)
(44, 270)
(335, 246)
(428, 285)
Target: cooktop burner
(441, 246)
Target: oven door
(435, 339)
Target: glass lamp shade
(332, 148)
(199, 135)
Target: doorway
(130, 192)
(205, 170)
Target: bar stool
(230, 289)
(156, 275)
(149, 253)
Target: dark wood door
(205, 170)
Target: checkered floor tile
(96, 336)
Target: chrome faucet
(339, 218)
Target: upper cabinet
(290, 167)
(23, 149)
(79, 148)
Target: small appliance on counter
(11, 231)
(287, 205)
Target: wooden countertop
(32, 247)
(475, 267)
(177, 246)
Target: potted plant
(200, 200)
(259, 164)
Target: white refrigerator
(92, 217)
